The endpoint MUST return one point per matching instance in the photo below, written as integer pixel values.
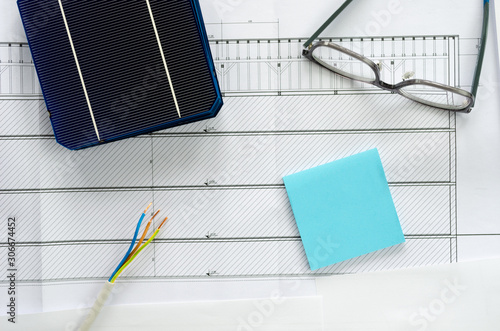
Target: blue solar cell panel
(114, 69)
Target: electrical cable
(132, 243)
(142, 237)
(127, 259)
(137, 253)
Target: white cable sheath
(102, 297)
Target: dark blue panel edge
(206, 46)
(36, 69)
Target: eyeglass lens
(344, 64)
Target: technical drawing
(220, 179)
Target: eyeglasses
(334, 58)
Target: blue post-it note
(344, 209)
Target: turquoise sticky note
(344, 209)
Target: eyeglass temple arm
(484, 35)
(327, 23)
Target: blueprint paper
(343, 209)
(461, 296)
(220, 181)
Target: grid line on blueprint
(220, 180)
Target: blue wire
(130, 248)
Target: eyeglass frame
(309, 47)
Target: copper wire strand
(145, 210)
(162, 223)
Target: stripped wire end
(162, 223)
(145, 210)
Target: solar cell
(110, 70)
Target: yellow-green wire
(133, 256)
